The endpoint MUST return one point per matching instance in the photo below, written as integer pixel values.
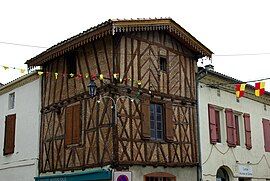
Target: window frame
(155, 129)
(11, 101)
(163, 64)
(218, 128)
(266, 133)
(237, 129)
(71, 64)
(218, 123)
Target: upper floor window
(214, 124)
(237, 129)
(9, 140)
(70, 59)
(163, 64)
(11, 100)
(156, 121)
(247, 131)
(266, 133)
(73, 125)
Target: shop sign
(245, 171)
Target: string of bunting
(258, 91)
(86, 75)
(239, 88)
(21, 70)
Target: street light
(114, 121)
(114, 103)
(92, 88)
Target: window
(73, 125)
(218, 92)
(159, 176)
(71, 64)
(237, 128)
(247, 131)
(236, 119)
(11, 101)
(214, 124)
(266, 133)
(230, 125)
(9, 140)
(217, 112)
(156, 121)
(163, 64)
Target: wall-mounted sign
(245, 171)
(122, 176)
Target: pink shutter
(212, 124)
(231, 131)
(266, 132)
(247, 131)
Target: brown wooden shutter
(169, 123)
(266, 133)
(247, 131)
(145, 110)
(76, 124)
(231, 131)
(212, 124)
(9, 142)
(69, 125)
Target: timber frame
(130, 48)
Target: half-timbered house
(142, 117)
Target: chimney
(209, 67)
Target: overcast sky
(226, 27)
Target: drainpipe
(200, 74)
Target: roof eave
(110, 27)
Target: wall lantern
(92, 88)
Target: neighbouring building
(19, 127)
(234, 133)
(142, 117)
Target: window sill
(157, 141)
(74, 145)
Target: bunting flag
(86, 75)
(56, 75)
(21, 70)
(259, 88)
(240, 90)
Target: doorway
(222, 175)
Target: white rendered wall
(22, 165)
(215, 156)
